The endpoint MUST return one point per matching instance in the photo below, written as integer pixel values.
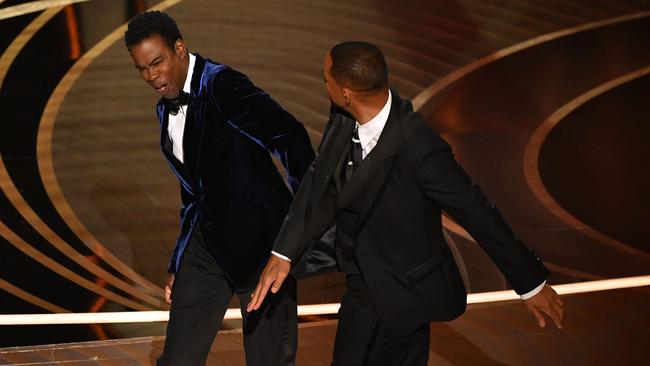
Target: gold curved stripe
(460, 231)
(48, 262)
(458, 258)
(531, 159)
(5, 62)
(421, 99)
(33, 7)
(24, 295)
(41, 227)
(9, 189)
(19, 42)
(46, 163)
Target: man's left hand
(548, 302)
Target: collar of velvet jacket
(197, 73)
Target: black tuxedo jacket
(392, 205)
(230, 188)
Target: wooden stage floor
(602, 328)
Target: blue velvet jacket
(230, 189)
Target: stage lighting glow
(317, 309)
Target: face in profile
(161, 66)
(334, 89)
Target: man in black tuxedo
(217, 132)
(370, 206)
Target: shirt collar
(374, 127)
(190, 71)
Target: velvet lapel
(193, 133)
(367, 180)
(177, 166)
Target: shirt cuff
(280, 255)
(534, 292)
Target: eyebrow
(138, 66)
(158, 58)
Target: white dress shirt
(370, 131)
(369, 134)
(176, 124)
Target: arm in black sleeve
(288, 242)
(444, 181)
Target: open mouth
(162, 90)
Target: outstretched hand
(548, 302)
(273, 275)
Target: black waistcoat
(345, 225)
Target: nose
(150, 76)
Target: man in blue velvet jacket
(217, 130)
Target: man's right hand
(169, 281)
(275, 272)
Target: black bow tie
(175, 104)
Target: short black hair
(359, 65)
(148, 23)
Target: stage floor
(602, 328)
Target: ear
(179, 48)
(347, 95)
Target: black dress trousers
(362, 339)
(200, 296)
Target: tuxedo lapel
(368, 179)
(192, 138)
(331, 153)
(165, 142)
(167, 148)
(193, 132)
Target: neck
(368, 106)
(186, 67)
